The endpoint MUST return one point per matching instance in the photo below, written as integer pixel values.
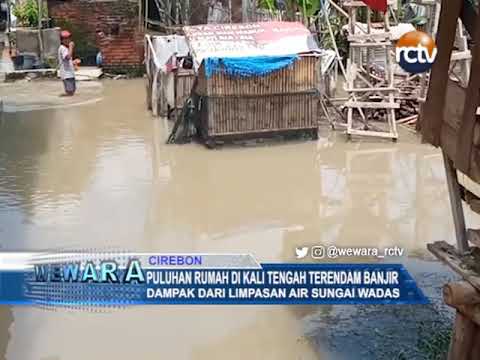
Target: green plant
(433, 341)
(311, 11)
(308, 8)
(270, 5)
(337, 21)
(27, 13)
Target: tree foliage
(312, 13)
(307, 8)
(27, 13)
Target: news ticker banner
(79, 279)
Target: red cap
(64, 34)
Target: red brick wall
(111, 25)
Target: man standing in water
(65, 62)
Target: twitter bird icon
(301, 252)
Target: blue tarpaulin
(247, 66)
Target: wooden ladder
(362, 85)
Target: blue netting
(248, 66)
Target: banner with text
(117, 280)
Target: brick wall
(112, 25)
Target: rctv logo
(415, 52)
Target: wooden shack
(449, 117)
(450, 120)
(243, 102)
(169, 84)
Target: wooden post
(155, 91)
(146, 15)
(465, 133)
(463, 297)
(462, 338)
(460, 293)
(386, 21)
(456, 205)
(369, 30)
(9, 17)
(475, 353)
(432, 109)
(436, 19)
(139, 15)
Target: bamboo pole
(139, 15)
(146, 15)
(9, 17)
(456, 205)
(40, 38)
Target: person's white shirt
(66, 68)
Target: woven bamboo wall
(184, 80)
(302, 76)
(248, 115)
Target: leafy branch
(27, 13)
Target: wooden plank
(465, 135)
(450, 256)
(475, 207)
(461, 55)
(407, 119)
(453, 109)
(349, 120)
(386, 20)
(473, 236)
(381, 134)
(371, 44)
(432, 109)
(379, 89)
(460, 293)
(184, 80)
(372, 105)
(354, 3)
(454, 192)
(371, 37)
(426, 2)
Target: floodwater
(100, 176)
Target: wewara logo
(415, 52)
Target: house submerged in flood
(254, 79)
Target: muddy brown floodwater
(99, 176)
